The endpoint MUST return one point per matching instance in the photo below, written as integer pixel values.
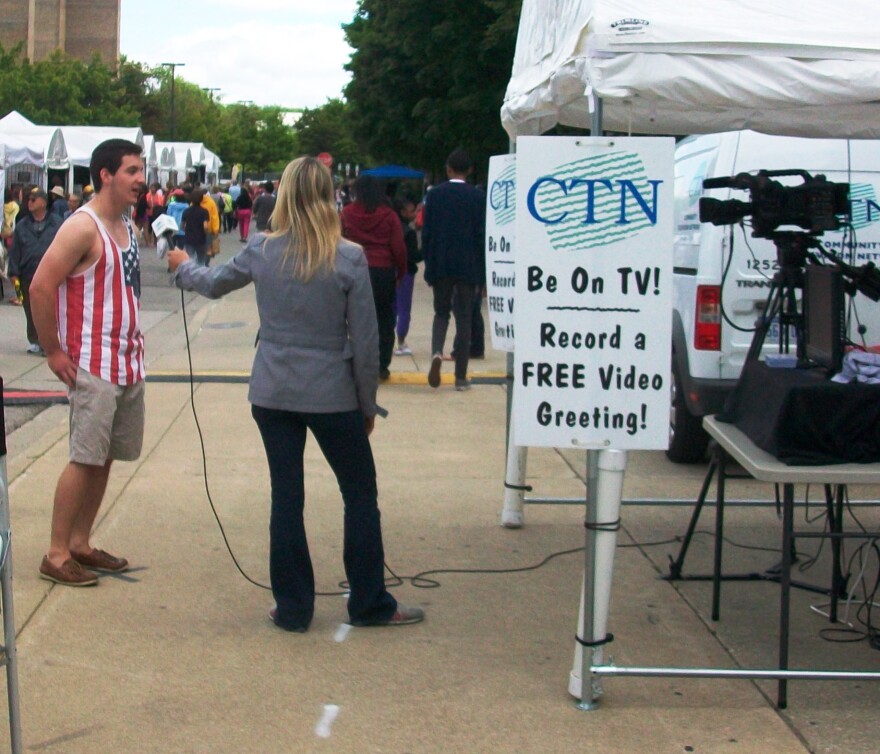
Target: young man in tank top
(85, 300)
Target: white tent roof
(151, 159)
(38, 145)
(167, 157)
(196, 149)
(15, 121)
(212, 162)
(183, 158)
(82, 140)
(797, 67)
(13, 152)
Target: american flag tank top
(99, 312)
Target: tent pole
(595, 115)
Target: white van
(708, 350)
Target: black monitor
(824, 315)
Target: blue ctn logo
(865, 209)
(595, 201)
(502, 196)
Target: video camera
(816, 205)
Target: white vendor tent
(167, 162)
(14, 121)
(802, 68)
(213, 163)
(151, 159)
(82, 140)
(29, 154)
(47, 141)
(15, 151)
(178, 157)
(196, 150)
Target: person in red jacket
(371, 222)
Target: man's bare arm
(70, 252)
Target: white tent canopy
(151, 159)
(167, 167)
(213, 163)
(14, 121)
(82, 140)
(43, 146)
(196, 150)
(802, 68)
(167, 157)
(13, 151)
(190, 159)
(177, 156)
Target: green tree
(62, 91)
(428, 76)
(328, 129)
(256, 137)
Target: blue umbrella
(394, 171)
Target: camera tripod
(793, 253)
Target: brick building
(79, 28)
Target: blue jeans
(343, 440)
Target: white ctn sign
(501, 249)
(593, 315)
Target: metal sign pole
(9, 658)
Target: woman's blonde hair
(306, 209)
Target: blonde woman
(316, 368)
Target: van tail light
(707, 334)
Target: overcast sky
(273, 52)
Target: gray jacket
(319, 345)
(29, 243)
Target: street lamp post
(172, 66)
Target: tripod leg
(719, 536)
(676, 565)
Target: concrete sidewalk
(178, 655)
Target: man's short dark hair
(460, 162)
(108, 154)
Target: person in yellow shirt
(213, 224)
(10, 210)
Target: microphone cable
(420, 580)
(192, 403)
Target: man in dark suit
(454, 252)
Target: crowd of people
(398, 232)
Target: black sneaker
(434, 372)
(273, 616)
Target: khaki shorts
(106, 420)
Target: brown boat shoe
(69, 573)
(102, 561)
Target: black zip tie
(610, 527)
(607, 640)
(521, 488)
